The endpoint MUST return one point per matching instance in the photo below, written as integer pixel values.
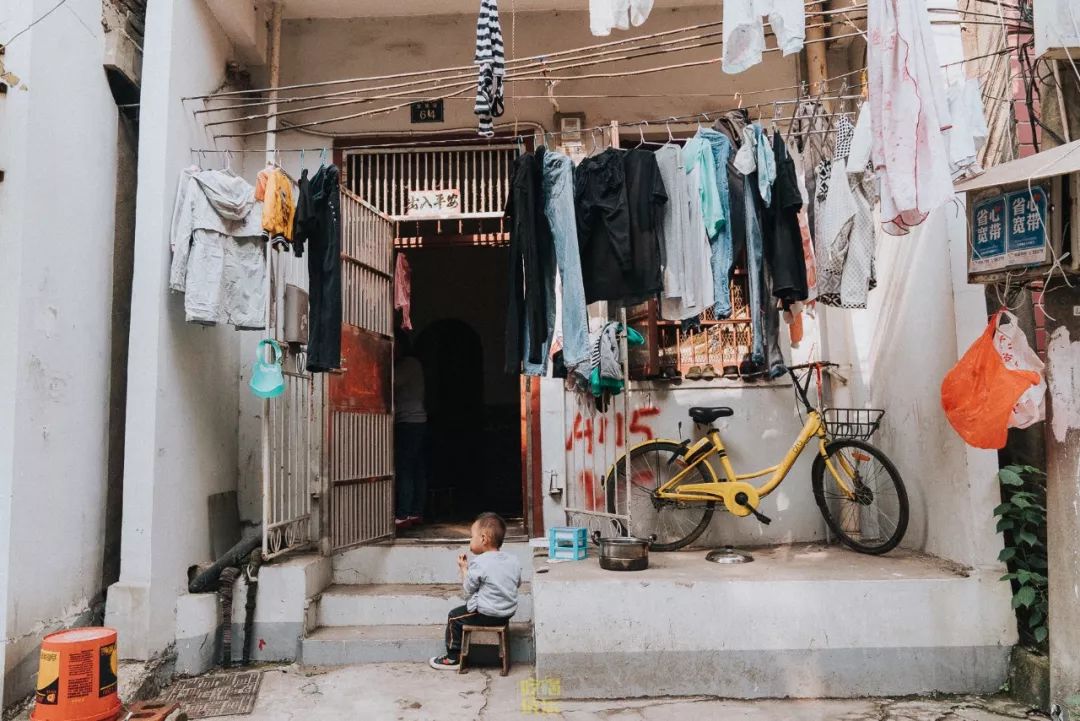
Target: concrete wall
(57, 202)
(921, 318)
(181, 444)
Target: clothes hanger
(302, 168)
(670, 137)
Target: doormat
(226, 694)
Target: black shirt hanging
(783, 239)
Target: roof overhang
(1062, 160)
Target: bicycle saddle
(702, 414)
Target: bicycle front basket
(860, 423)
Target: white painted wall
(56, 240)
(183, 391)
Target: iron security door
(360, 411)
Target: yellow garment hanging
(278, 206)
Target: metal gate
(292, 429)
(360, 411)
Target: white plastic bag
(1011, 344)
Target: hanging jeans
(764, 317)
(721, 247)
(559, 209)
(410, 466)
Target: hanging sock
(490, 60)
(744, 30)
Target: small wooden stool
(504, 644)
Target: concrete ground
(413, 692)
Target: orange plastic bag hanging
(979, 393)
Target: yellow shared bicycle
(674, 489)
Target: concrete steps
(388, 602)
(345, 645)
(413, 563)
(399, 604)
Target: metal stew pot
(623, 554)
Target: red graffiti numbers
(584, 429)
(636, 424)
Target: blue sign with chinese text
(1009, 231)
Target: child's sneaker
(444, 663)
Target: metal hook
(670, 137)
(301, 160)
(738, 100)
(641, 132)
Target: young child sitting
(491, 580)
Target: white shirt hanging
(606, 15)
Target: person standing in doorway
(410, 435)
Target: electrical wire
(44, 15)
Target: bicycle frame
(733, 484)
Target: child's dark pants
(461, 616)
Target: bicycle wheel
(876, 518)
(675, 524)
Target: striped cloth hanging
(491, 62)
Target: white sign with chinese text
(433, 203)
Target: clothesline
(511, 62)
(361, 95)
(471, 86)
(546, 57)
(709, 116)
(469, 75)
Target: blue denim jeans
(764, 316)
(721, 247)
(755, 270)
(559, 210)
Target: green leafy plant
(1022, 522)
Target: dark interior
(458, 310)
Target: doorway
(458, 314)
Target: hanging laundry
(317, 223)
(558, 180)
(722, 251)
(279, 209)
(218, 251)
(403, 290)
(909, 112)
(688, 281)
(618, 197)
(744, 30)
(606, 15)
(646, 197)
(845, 234)
(783, 239)
(530, 264)
(809, 260)
(490, 60)
(545, 261)
(969, 131)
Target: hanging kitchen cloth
(490, 60)
(980, 392)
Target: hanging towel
(403, 290)
(491, 67)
